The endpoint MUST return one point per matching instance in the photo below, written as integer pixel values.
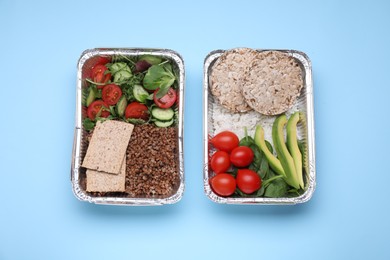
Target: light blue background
(348, 216)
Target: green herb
(159, 77)
(88, 124)
(127, 90)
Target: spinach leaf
(88, 124)
(276, 189)
(159, 76)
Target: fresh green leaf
(159, 76)
(88, 124)
(276, 189)
(127, 89)
(264, 168)
(113, 111)
(140, 93)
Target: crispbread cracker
(226, 76)
(106, 182)
(273, 82)
(107, 146)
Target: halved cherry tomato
(220, 162)
(111, 94)
(96, 107)
(248, 181)
(223, 184)
(167, 100)
(137, 110)
(92, 62)
(241, 156)
(99, 74)
(225, 141)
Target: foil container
(304, 103)
(79, 147)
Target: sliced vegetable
(284, 156)
(140, 93)
(162, 114)
(111, 94)
(100, 74)
(292, 144)
(163, 123)
(159, 77)
(121, 72)
(151, 59)
(121, 106)
(137, 110)
(272, 160)
(167, 100)
(92, 93)
(98, 109)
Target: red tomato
(96, 60)
(166, 101)
(111, 94)
(241, 156)
(99, 74)
(225, 141)
(137, 110)
(223, 184)
(220, 162)
(97, 106)
(248, 181)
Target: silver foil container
(304, 103)
(79, 147)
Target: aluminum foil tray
(79, 149)
(214, 117)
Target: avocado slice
(273, 161)
(292, 145)
(284, 156)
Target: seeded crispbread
(106, 182)
(226, 76)
(273, 82)
(107, 146)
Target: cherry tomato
(225, 141)
(223, 184)
(220, 162)
(248, 181)
(241, 156)
(99, 74)
(97, 106)
(167, 100)
(96, 60)
(137, 110)
(111, 94)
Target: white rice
(223, 119)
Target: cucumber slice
(121, 106)
(164, 124)
(140, 93)
(162, 114)
(91, 95)
(151, 59)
